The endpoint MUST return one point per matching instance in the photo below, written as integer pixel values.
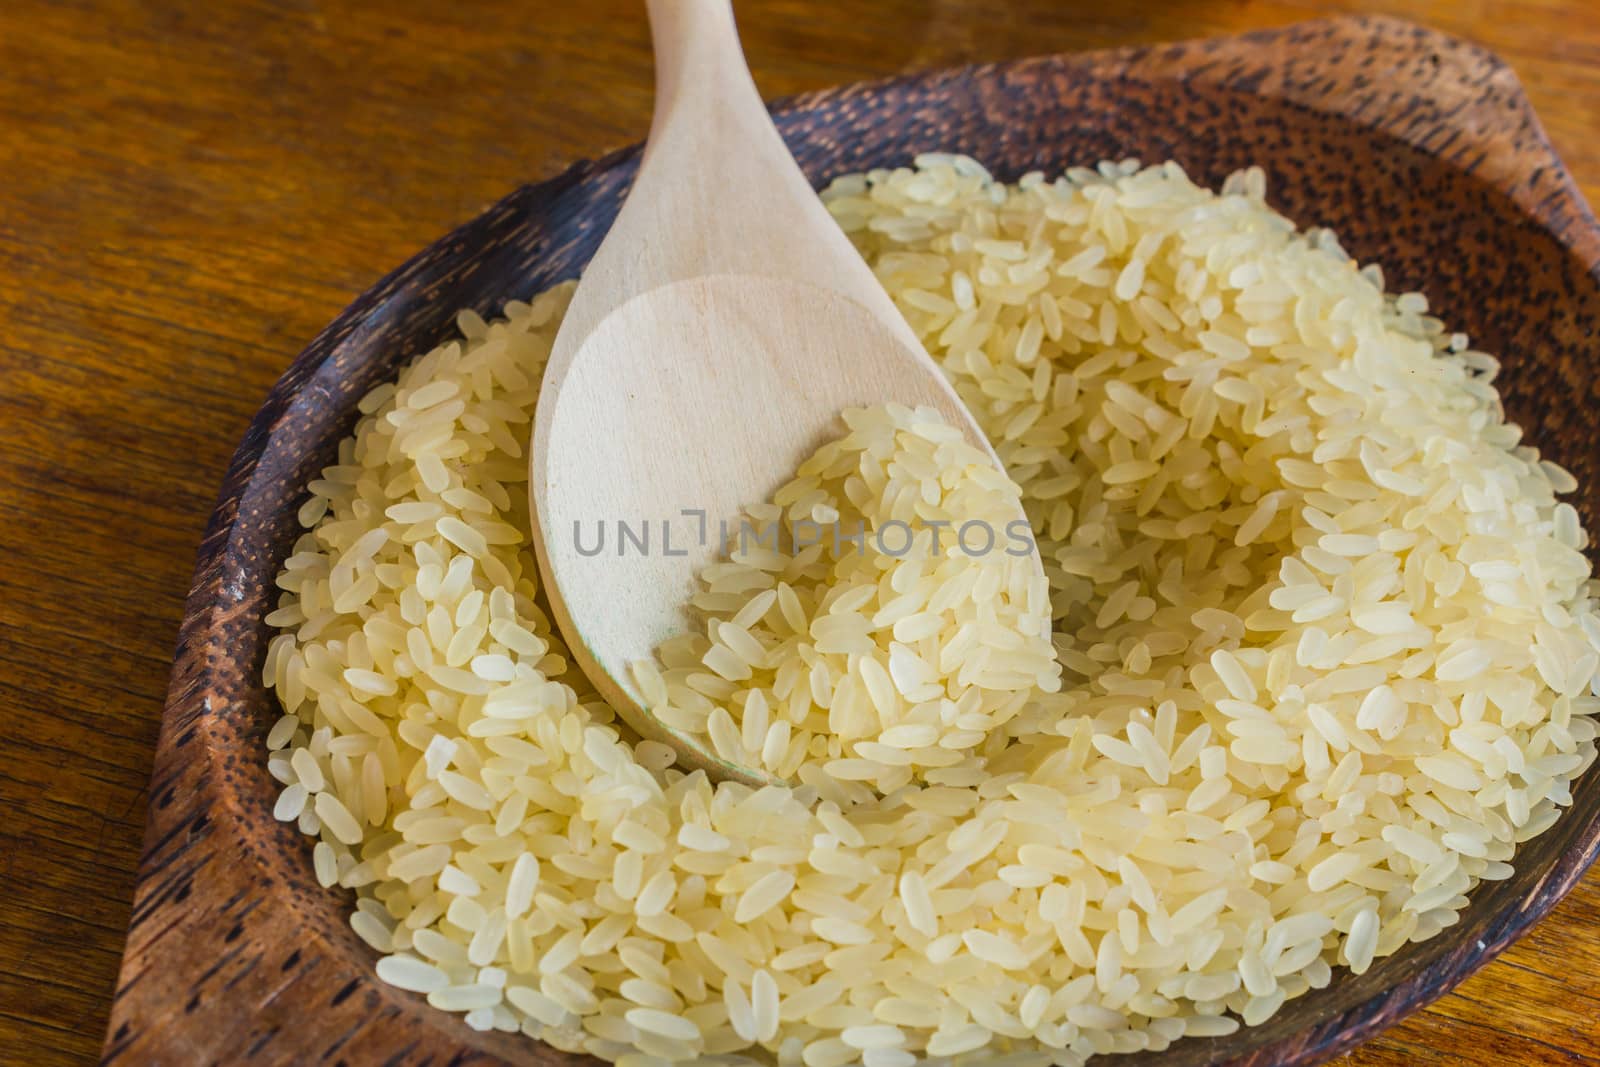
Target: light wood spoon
(717, 334)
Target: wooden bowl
(1420, 150)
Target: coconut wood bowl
(1420, 150)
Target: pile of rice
(1326, 644)
(876, 623)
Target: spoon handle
(710, 127)
(700, 67)
(717, 168)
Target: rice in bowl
(1326, 649)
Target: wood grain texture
(190, 190)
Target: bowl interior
(1486, 267)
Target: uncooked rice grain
(1322, 655)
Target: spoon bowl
(631, 516)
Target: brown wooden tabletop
(190, 189)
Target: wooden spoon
(717, 334)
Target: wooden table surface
(190, 189)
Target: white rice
(1326, 648)
(837, 685)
